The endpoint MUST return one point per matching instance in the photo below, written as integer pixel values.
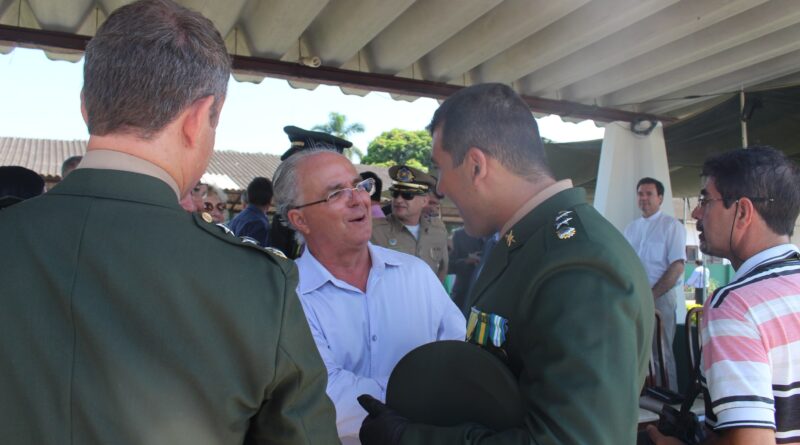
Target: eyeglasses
(336, 196)
(702, 201)
(207, 206)
(408, 196)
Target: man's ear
(477, 163)
(298, 221)
(745, 213)
(196, 118)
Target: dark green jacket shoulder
(127, 320)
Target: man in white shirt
(699, 280)
(367, 306)
(660, 242)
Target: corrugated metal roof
(45, 156)
(655, 56)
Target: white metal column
(625, 158)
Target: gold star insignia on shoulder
(207, 217)
(510, 238)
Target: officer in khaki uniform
(563, 300)
(406, 229)
(125, 319)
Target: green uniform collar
(541, 217)
(116, 184)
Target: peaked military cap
(18, 184)
(410, 179)
(447, 383)
(302, 139)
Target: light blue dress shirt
(361, 336)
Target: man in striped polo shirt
(751, 327)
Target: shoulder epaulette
(224, 233)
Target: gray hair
(148, 62)
(223, 197)
(286, 183)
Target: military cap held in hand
(423, 387)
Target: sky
(41, 99)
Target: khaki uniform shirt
(431, 246)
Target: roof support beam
(340, 77)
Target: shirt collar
(652, 217)
(314, 275)
(537, 199)
(116, 160)
(764, 256)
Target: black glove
(383, 425)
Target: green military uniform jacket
(431, 246)
(126, 320)
(579, 327)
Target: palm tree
(337, 126)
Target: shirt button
(374, 338)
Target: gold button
(207, 217)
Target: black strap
(693, 390)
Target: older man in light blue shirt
(367, 306)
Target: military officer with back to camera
(281, 236)
(116, 327)
(406, 230)
(563, 299)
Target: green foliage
(337, 125)
(397, 146)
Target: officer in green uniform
(406, 229)
(125, 319)
(563, 299)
